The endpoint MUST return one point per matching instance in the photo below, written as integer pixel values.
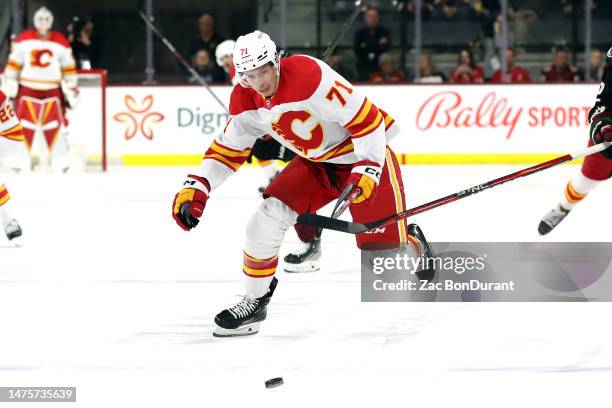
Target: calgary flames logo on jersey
(285, 128)
(41, 58)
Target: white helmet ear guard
(254, 50)
(43, 20)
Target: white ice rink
(110, 296)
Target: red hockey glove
(601, 130)
(365, 177)
(189, 203)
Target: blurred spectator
(207, 39)
(455, 9)
(467, 72)
(207, 69)
(387, 70)
(487, 12)
(515, 73)
(336, 62)
(597, 66)
(602, 8)
(83, 49)
(370, 41)
(429, 73)
(561, 70)
(427, 8)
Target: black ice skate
(13, 232)
(244, 318)
(425, 252)
(552, 219)
(305, 258)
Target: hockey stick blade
(335, 224)
(321, 221)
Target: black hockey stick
(332, 46)
(357, 228)
(181, 59)
(343, 202)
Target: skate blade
(304, 267)
(246, 330)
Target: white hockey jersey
(11, 133)
(41, 63)
(315, 112)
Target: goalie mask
(43, 20)
(252, 51)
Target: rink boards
(441, 124)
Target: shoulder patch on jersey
(59, 38)
(30, 34)
(244, 99)
(300, 77)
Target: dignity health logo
(138, 118)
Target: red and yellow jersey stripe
(388, 119)
(366, 120)
(4, 195)
(69, 70)
(229, 157)
(259, 268)
(14, 65)
(343, 148)
(15, 133)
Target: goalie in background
(41, 76)
(596, 167)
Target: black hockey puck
(274, 382)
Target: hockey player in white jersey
(41, 76)
(11, 141)
(340, 138)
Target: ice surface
(108, 295)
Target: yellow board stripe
(477, 158)
(398, 196)
(403, 158)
